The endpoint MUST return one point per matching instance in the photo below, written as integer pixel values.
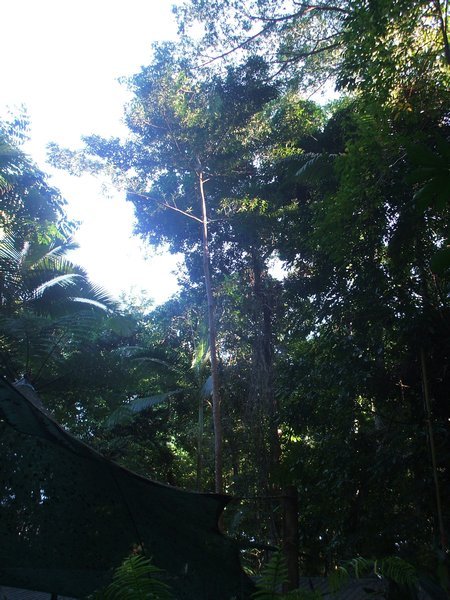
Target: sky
(62, 60)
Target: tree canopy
(331, 377)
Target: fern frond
(392, 567)
(272, 578)
(338, 579)
(397, 569)
(361, 566)
(136, 579)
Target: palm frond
(41, 272)
(8, 251)
(90, 302)
(60, 249)
(139, 404)
(63, 281)
(53, 252)
(143, 354)
(127, 412)
(98, 293)
(317, 168)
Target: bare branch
(165, 205)
(238, 47)
(312, 52)
(323, 7)
(304, 9)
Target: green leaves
(440, 261)
(432, 170)
(392, 53)
(397, 569)
(47, 305)
(316, 168)
(272, 578)
(30, 207)
(392, 567)
(136, 579)
(127, 412)
(271, 581)
(38, 275)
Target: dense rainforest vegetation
(333, 378)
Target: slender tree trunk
(199, 484)
(263, 401)
(291, 536)
(217, 422)
(437, 493)
(265, 370)
(443, 25)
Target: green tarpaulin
(68, 516)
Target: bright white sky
(61, 59)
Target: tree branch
(165, 205)
(323, 7)
(304, 9)
(312, 52)
(238, 47)
(271, 22)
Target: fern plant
(273, 576)
(393, 568)
(136, 579)
(396, 569)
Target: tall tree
(186, 153)
(390, 50)
(302, 40)
(30, 207)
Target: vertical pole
(291, 536)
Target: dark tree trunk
(290, 536)
(263, 387)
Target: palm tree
(46, 305)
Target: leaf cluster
(136, 578)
